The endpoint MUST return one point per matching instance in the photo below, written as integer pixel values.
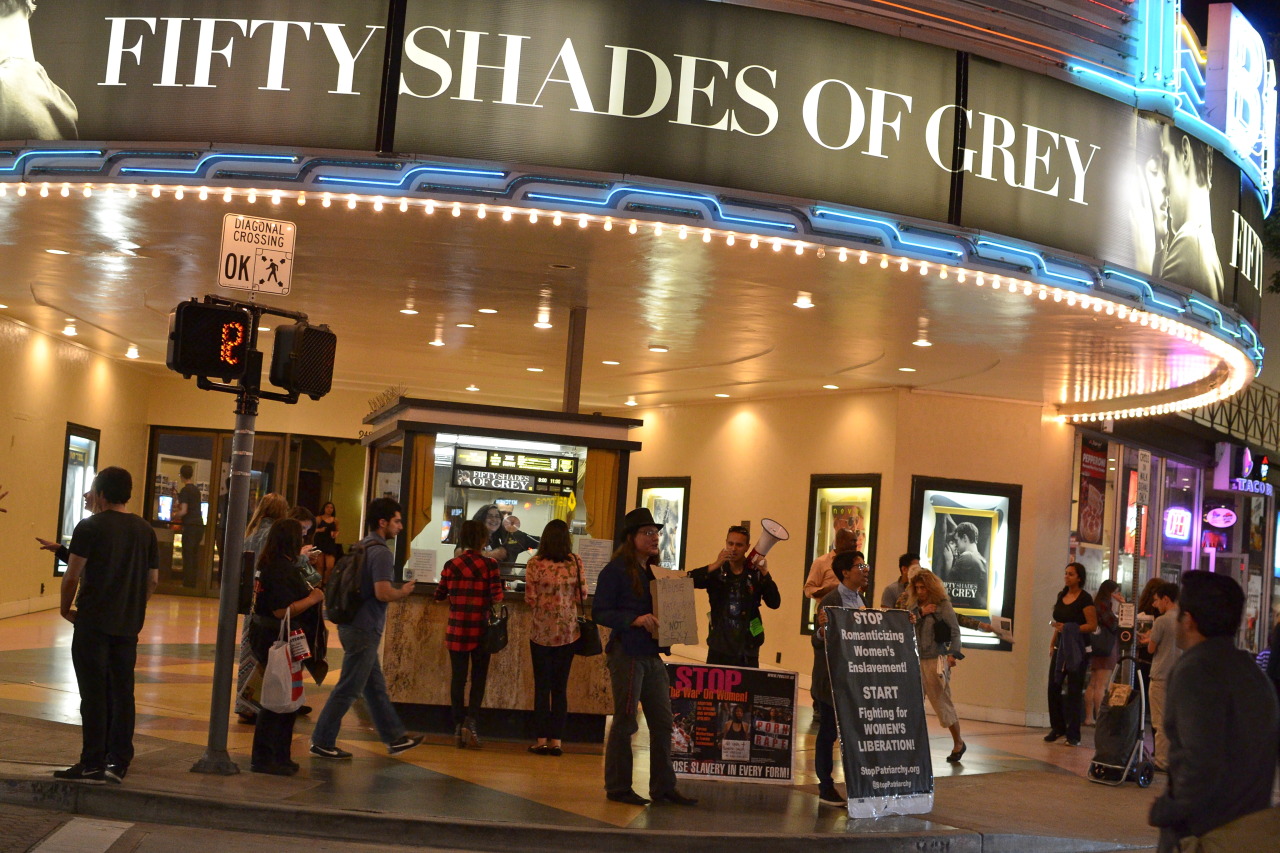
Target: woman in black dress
(279, 589)
(326, 538)
(1074, 619)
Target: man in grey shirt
(1223, 727)
(361, 672)
(889, 598)
(1162, 643)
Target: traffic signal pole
(248, 392)
(215, 759)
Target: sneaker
(829, 796)
(328, 752)
(1071, 742)
(115, 772)
(81, 773)
(405, 744)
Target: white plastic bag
(282, 678)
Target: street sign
(1144, 478)
(257, 254)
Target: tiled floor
(501, 782)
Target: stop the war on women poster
(732, 723)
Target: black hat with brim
(636, 519)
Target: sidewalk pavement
(403, 800)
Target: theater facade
(905, 269)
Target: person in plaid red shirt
(471, 583)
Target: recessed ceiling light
(659, 348)
(921, 343)
(804, 299)
(132, 352)
(534, 369)
(611, 363)
(409, 311)
(69, 330)
(57, 251)
(907, 369)
(466, 325)
(832, 387)
(722, 395)
(2, 307)
(472, 388)
(542, 325)
(436, 343)
(488, 310)
(631, 401)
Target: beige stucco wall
(751, 460)
(46, 382)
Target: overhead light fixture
(804, 299)
(264, 328)
(132, 352)
(408, 308)
(832, 387)
(611, 363)
(69, 330)
(907, 369)
(472, 388)
(722, 395)
(488, 310)
(435, 342)
(542, 324)
(631, 401)
(466, 325)
(2, 307)
(438, 340)
(922, 336)
(57, 251)
(534, 369)
(659, 348)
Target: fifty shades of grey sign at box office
(884, 741)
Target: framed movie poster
(839, 502)
(966, 533)
(668, 499)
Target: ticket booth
(449, 462)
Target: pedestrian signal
(209, 340)
(302, 361)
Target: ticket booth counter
(446, 463)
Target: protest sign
(875, 680)
(674, 608)
(732, 723)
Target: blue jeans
(361, 676)
(640, 680)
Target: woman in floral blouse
(554, 589)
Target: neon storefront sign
(1177, 524)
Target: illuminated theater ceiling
(114, 266)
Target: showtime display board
(714, 94)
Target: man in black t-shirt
(111, 573)
(736, 591)
(187, 509)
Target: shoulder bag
(588, 642)
(494, 638)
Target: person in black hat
(624, 603)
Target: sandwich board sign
(257, 254)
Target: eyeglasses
(648, 532)
(862, 567)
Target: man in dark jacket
(852, 570)
(1221, 717)
(735, 591)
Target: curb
(124, 803)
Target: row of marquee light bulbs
(1236, 360)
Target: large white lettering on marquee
(710, 93)
(132, 36)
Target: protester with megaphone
(735, 588)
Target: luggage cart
(1120, 749)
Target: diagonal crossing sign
(257, 254)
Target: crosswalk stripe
(83, 835)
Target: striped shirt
(471, 583)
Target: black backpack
(342, 596)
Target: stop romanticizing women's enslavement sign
(884, 740)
